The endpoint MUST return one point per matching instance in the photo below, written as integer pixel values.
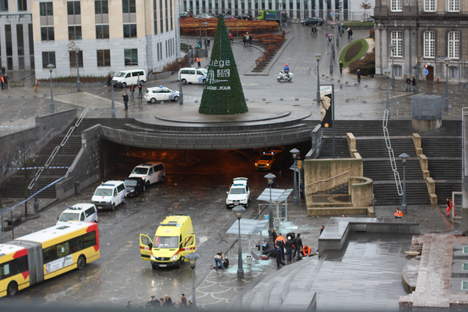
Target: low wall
(319, 173)
(362, 191)
(85, 169)
(15, 148)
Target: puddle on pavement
(366, 276)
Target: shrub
(353, 51)
(366, 65)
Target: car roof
(239, 182)
(149, 164)
(79, 207)
(158, 88)
(133, 178)
(111, 183)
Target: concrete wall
(362, 191)
(21, 145)
(85, 169)
(324, 174)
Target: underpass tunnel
(210, 167)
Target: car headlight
(175, 257)
(152, 257)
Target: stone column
(301, 9)
(465, 161)
(233, 7)
(27, 55)
(333, 11)
(3, 61)
(317, 8)
(252, 4)
(294, 12)
(384, 50)
(14, 45)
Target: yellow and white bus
(42, 255)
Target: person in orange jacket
(398, 213)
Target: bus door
(35, 262)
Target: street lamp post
(238, 211)
(193, 257)
(73, 47)
(205, 27)
(403, 158)
(181, 93)
(295, 154)
(112, 100)
(52, 103)
(270, 179)
(446, 84)
(392, 53)
(317, 57)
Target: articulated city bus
(39, 256)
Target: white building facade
(295, 9)
(16, 44)
(103, 36)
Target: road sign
(425, 71)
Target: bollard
(35, 205)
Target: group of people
(220, 262)
(167, 302)
(286, 249)
(411, 84)
(132, 89)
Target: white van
(109, 194)
(150, 172)
(131, 77)
(78, 213)
(192, 75)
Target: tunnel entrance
(198, 166)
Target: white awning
(277, 195)
(248, 227)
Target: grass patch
(358, 24)
(353, 51)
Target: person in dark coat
(280, 245)
(358, 73)
(413, 84)
(274, 235)
(278, 257)
(341, 68)
(125, 100)
(289, 246)
(299, 245)
(140, 89)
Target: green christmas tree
(223, 92)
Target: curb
(266, 72)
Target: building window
(101, 7)
(103, 58)
(76, 57)
(396, 6)
(397, 43)
(453, 72)
(397, 70)
(429, 44)
(131, 57)
(3, 5)
(130, 30)
(102, 31)
(48, 58)
(128, 6)
(46, 9)
(453, 5)
(453, 44)
(47, 33)
(22, 5)
(430, 5)
(73, 8)
(74, 32)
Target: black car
(134, 186)
(313, 21)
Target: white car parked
(161, 93)
(192, 75)
(151, 172)
(78, 213)
(109, 195)
(239, 193)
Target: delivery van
(173, 240)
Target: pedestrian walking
(109, 80)
(358, 73)
(413, 84)
(278, 257)
(198, 61)
(341, 68)
(350, 33)
(183, 301)
(274, 235)
(322, 227)
(5, 80)
(140, 90)
(288, 247)
(208, 42)
(168, 301)
(244, 40)
(2, 82)
(408, 84)
(449, 207)
(125, 100)
(299, 245)
(218, 261)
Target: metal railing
(311, 187)
(56, 150)
(391, 154)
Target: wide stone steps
(385, 194)
(442, 147)
(16, 187)
(340, 149)
(375, 148)
(444, 190)
(72, 146)
(380, 170)
(445, 169)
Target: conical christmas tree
(223, 92)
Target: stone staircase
(445, 163)
(16, 185)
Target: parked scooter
(284, 77)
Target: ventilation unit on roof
(62, 227)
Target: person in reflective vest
(306, 251)
(398, 213)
